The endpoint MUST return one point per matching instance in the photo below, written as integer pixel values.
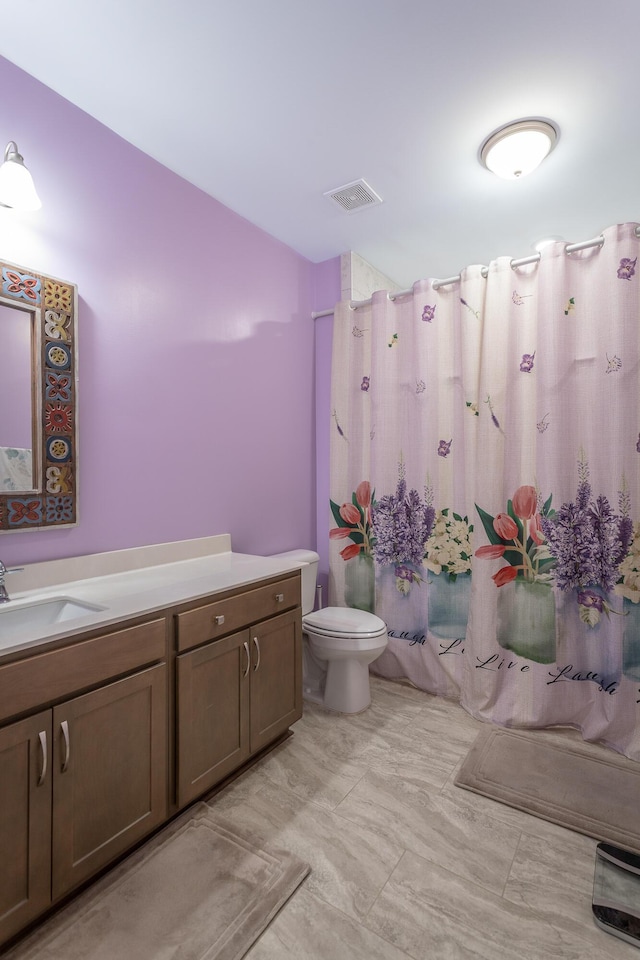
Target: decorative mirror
(38, 397)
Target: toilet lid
(345, 622)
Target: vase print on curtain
(590, 635)
(631, 640)
(628, 587)
(486, 388)
(354, 524)
(359, 583)
(526, 622)
(448, 559)
(402, 600)
(402, 523)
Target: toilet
(339, 643)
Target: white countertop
(132, 592)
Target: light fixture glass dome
(516, 149)
(17, 189)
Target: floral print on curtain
(485, 486)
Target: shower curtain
(485, 495)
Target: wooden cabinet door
(110, 774)
(276, 677)
(25, 822)
(212, 714)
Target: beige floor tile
(473, 845)
(414, 753)
(310, 770)
(556, 880)
(389, 694)
(346, 737)
(350, 863)
(429, 912)
(309, 929)
(446, 724)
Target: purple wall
(196, 344)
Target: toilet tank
(308, 561)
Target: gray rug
(196, 891)
(578, 785)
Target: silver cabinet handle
(219, 620)
(257, 646)
(246, 650)
(279, 597)
(42, 737)
(64, 726)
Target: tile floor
(405, 864)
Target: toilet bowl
(339, 643)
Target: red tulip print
(504, 575)
(349, 513)
(505, 527)
(353, 522)
(493, 551)
(516, 536)
(525, 502)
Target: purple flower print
(589, 598)
(406, 573)
(476, 313)
(588, 541)
(627, 268)
(494, 419)
(366, 383)
(428, 313)
(402, 523)
(526, 364)
(338, 427)
(444, 448)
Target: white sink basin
(18, 617)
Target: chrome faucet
(4, 596)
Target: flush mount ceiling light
(513, 151)
(16, 183)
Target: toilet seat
(344, 622)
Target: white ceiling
(267, 104)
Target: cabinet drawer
(31, 683)
(216, 619)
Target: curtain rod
(436, 284)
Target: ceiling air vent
(354, 196)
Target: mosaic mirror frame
(52, 309)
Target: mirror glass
(38, 397)
(16, 401)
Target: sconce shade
(518, 148)
(17, 189)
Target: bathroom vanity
(171, 679)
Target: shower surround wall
(196, 399)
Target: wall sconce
(16, 183)
(513, 151)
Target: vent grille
(354, 196)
